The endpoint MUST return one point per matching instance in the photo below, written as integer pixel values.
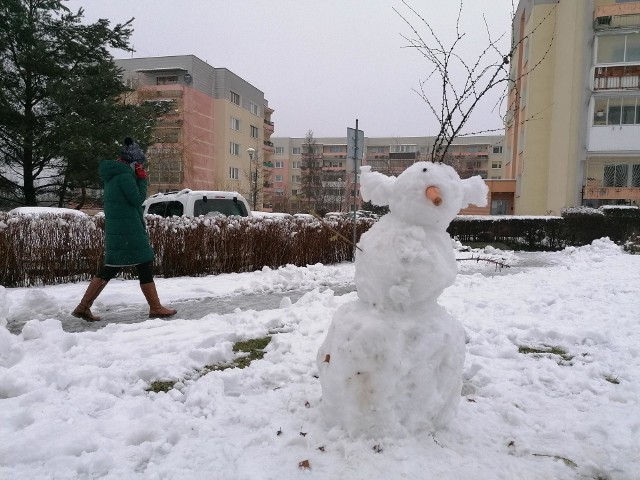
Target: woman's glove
(140, 172)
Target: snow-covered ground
(76, 405)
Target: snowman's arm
(475, 192)
(375, 187)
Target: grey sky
(320, 63)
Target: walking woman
(126, 237)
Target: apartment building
(572, 134)
(478, 155)
(214, 118)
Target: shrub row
(50, 249)
(577, 226)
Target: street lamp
(253, 189)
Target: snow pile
(392, 360)
(75, 405)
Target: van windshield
(225, 206)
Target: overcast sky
(320, 63)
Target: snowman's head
(426, 193)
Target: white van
(193, 203)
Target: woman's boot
(83, 310)
(156, 310)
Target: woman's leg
(97, 284)
(148, 287)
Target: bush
(50, 249)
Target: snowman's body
(391, 363)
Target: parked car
(194, 203)
(274, 215)
(47, 210)
(305, 216)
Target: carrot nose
(433, 194)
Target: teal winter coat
(126, 237)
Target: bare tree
(256, 178)
(311, 177)
(458, 96)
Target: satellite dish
(188, 78)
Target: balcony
(268, 126)
(607, 17)
(594, 191)
(614, 138)
(616, 78)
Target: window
(335, 149)
(234, 97)
(166, 209)
(616, 111)
(167, 80)
(295, 151)
(233, 173)
(234, 148)
(279, 164)
(496, 164)
(225, 206)
(278, 178)
(254, 131)
(497, 149)
(375, 149)
(171, 136)
(279, 150)
(615, 175)
(235, 124)
(618, 48)
(253, 108)
(279, 192)
(295, 164)
(295, 178)
(635, 175)
(402, 148)
(294, 192)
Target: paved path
(196, 309)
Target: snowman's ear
(476, 192)
(375, 187)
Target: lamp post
(253, 189)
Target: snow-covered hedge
(577, 226)
(49, 249)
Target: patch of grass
(248, 351)
(161, 386)
(546, 350)
(567, 462)
(612, 379)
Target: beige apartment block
(476, 155)
(214, 118)
(572, 132)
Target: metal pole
(355, 188)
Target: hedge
(49, 249)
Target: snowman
(391, 363)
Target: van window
(166, 209)
(157, 208)
(225, 206)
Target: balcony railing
(593, 191)
(616, 16)
(617, 78)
